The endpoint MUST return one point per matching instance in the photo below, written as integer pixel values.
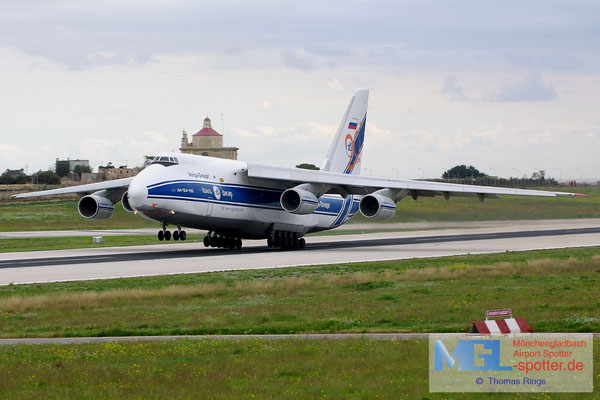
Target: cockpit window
(165, 160)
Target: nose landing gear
(164, 234)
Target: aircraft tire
(270, 242)
(182, 235)
(161, 235)
(175, 235)
(167, 235)
(206, 241)
(301, 243)
(238, 243)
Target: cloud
(124, 149)
(10, 152)
(531, 89)
(242, 133)
(452, 89)
(335, 84)
(298, 59)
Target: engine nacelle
(95, 207)
(125, 203)
(299, 201)
(377, 207)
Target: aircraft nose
(137, 193)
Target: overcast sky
(507, 86)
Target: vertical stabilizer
(346, 149)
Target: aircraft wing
(361, 185)
(85, 189)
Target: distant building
(109, 172)
(90, 177)
(207, 142)
(75, 163)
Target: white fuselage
(216, 195)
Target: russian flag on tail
(352, 125)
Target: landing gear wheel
(230, 243)
(238, 243)
(182, 235)
(206, 241)
(167, 235)
(176, 235)
(278, 240)
(301, 243)
(161, 235)
(270, 242)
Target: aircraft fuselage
(217, 195)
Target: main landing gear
(177, 235)
(221, 241)
(286, 240)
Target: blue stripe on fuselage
(234, 194)
(344, 212)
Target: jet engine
(299, 201)
(95, 207)
(125, 203)
(377, 207)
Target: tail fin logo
(354, 144)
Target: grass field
(502, 209)
(224, 369)
(62, 214)
(52, 215)
(556, 290)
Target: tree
(14, 177)
(62, 168)
(462, 172)
(46, 177)
(80, 169)
(539, 175)
(308, 166)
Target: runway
(181, 258)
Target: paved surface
(330, 336)
(179, 258)
(403, 226)
(313, 336)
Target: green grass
(556, 290)
(60, 243)
(224, 369)
(503, 209)
(61, 214)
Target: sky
(510, 87)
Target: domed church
(207, 142)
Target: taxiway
(181, 258)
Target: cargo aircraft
(235, 200)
